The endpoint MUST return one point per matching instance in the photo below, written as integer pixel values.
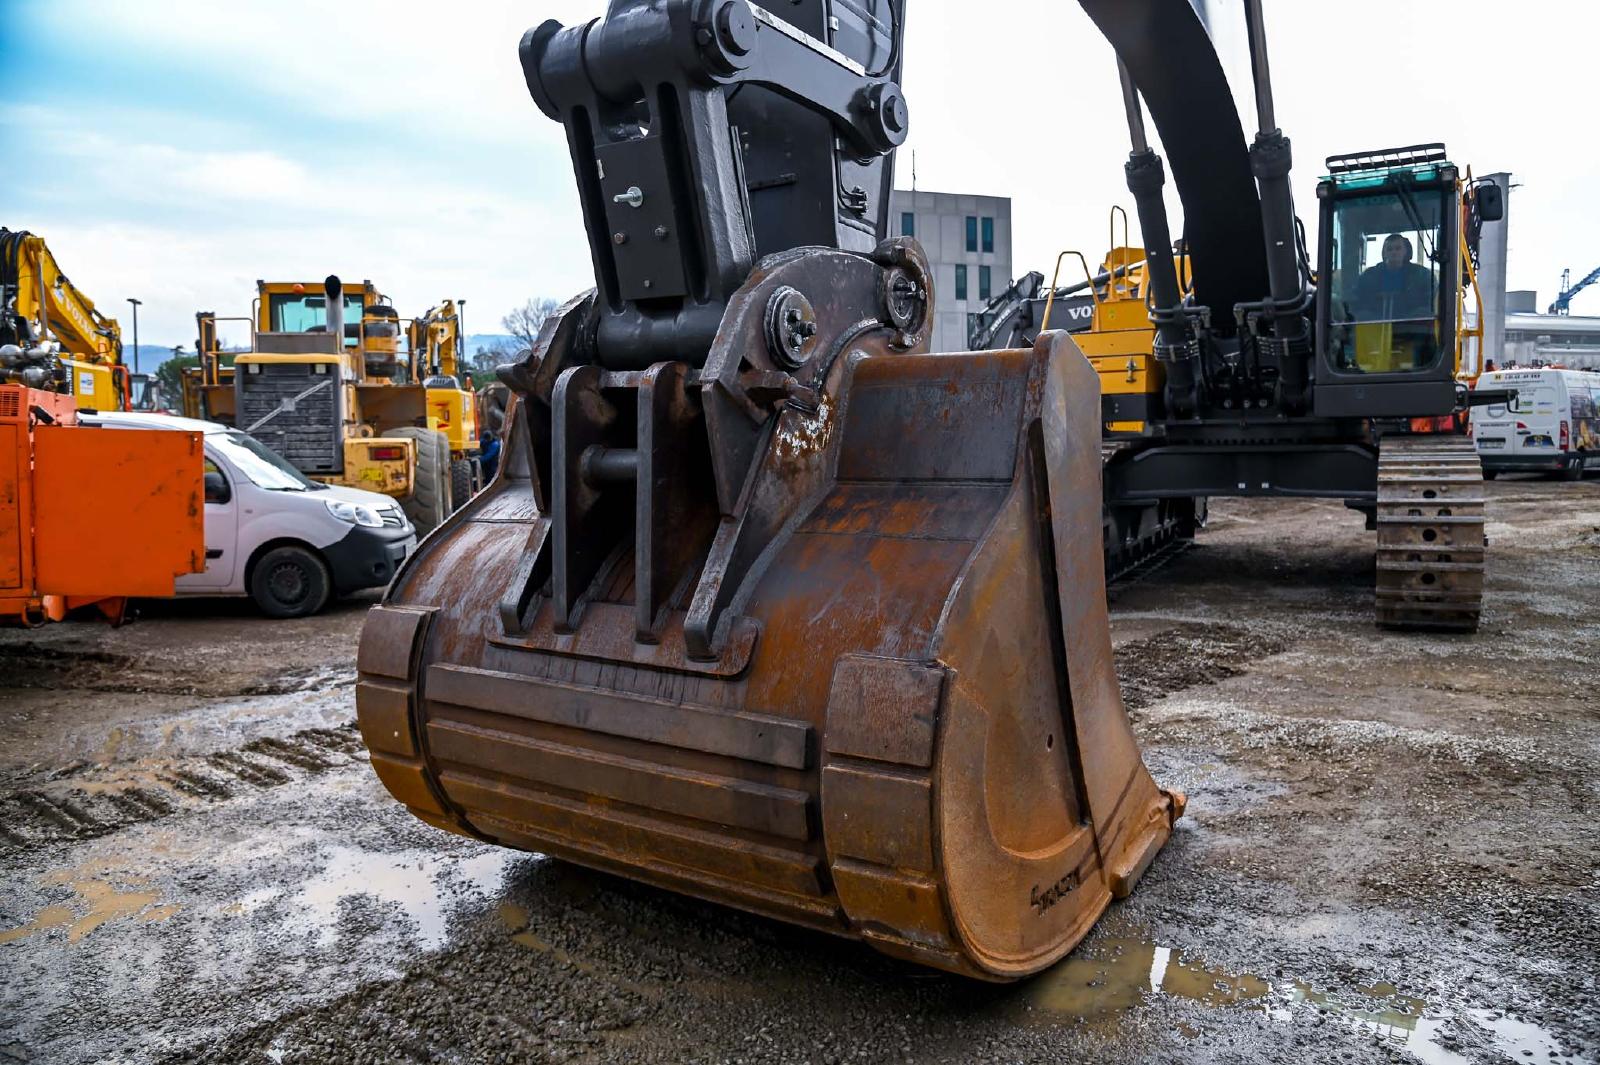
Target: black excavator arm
(1165, 47)
(706, 134)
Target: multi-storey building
(968, 242)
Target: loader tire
(460, 482)
(290, 582)
(429, 502)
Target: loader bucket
(870, 691)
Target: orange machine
(91, 516)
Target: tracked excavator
(767, 604)
(1230, 365)
(1268, 375)
(52, 337)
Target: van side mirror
(1490, 200)
(217, 490)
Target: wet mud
(1389, 855)
(1187, 656)
(83, 800)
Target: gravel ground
(1389, 853)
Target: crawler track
(1140, 539)
(1430, 534)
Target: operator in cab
(1396, 297)
(1396, 289)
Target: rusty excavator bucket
(766, 604)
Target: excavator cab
(1387, 284)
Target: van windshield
(265, 468)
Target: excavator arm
(436, 341)
(62, 340)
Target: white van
(286, 541)
(1552, 425)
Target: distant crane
(1569, 290)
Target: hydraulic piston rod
(1271, 160)
(1146, 179)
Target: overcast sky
(177, 152)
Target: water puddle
(1114, 975)
(514, 919)
(95, 902)
(425, 886)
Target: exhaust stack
(333, 290)
(1146, 179)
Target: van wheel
(429, 502)
(1489, 475)
(290, 582)
(1574, 470)
(460, 483)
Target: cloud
(186, 229)
(414, 67)
(259, 176)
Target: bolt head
(736, 28)
(894, 112)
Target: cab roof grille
(1386, 158)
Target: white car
(272, 533)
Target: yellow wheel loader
(327, 384)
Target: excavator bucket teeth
(903, 727)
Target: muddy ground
(1390, 853)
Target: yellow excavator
(327, 384)
(437, 344)
(51, 335)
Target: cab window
(300, 313)
(217, 488)
(1385, 286)
(1585, 402)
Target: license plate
(1488, 443)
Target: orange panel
(11, 467)
(117, 511)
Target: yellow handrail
(1056, 276)
(1469, 276)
